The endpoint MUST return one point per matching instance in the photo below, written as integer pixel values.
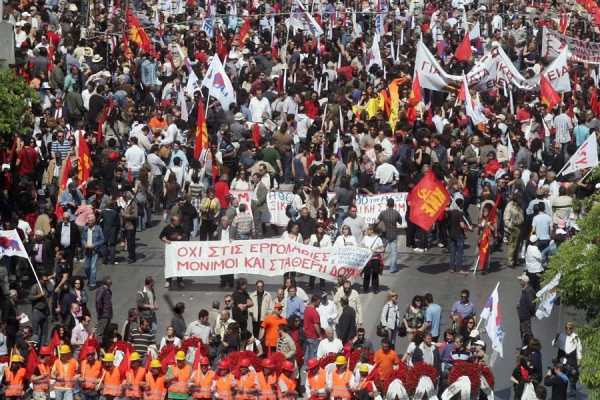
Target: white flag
(557, 72)
(431, 74)
(546, 298)
(300, 19)
(373, 54)
(475, 32)
(586, 156)
(218, 83)
(472, 108)
(182, 103)
(192, 82)
(493, 317)
(11, 245)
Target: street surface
(420, 273)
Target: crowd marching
(146, 111)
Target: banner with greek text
(276, 202)
(265, 257)
(369, 207)
(579, 50)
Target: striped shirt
(141, 340)
(243, 224)
(563, 126)
(61, 150)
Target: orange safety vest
(286, 387)
(366, 384)
(90, 374)
(245, 386)
(266, 383)
(65, 374)
(340, 384)
(112, 382)
(316, 382)
(202, 384)
(43, 383)
(133, 379)
(224, 386)
(155, 388)
(182, 377)
(14, 382)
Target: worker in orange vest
(267, 381)
(224, 384)
(111, 382)
(91, 370)
(14, 378)
(247, 384)
(134, 377)
(315, 378)
(340, 382)
(182, 372)
(154, 383)
(286, 383)
(41, 378)
(64, 372)
(365, 387)
(202, 380)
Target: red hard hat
(288, 366)
(204, 361)
(245, 363)
(223, 365)
(267, 363)
(45, 351)
(312, 363)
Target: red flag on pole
(31, 363)
(256, 135)
(428, 200)
(244, 31)
(85, 160)
(484, 248)
(138, 35)
(108, 107)
(463, 51)
(415, 92)
(548, 95)
(201, 131)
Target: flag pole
(496, 288)
(206, 108)
(475, 266)
(35, 274)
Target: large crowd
(117, 136)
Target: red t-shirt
(311, 318)
(222, 193)
(28, 158)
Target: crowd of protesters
(308, 118)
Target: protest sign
(579, 50)
(369, 207)
(265, 257)
(276, 202)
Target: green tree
(578, 260)
(15, 99)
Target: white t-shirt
(135, 158)
(326, 346)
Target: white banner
(265, 257)
(431, 74)
(579, 50)
(495, 69)
(557, 73)
(369, 207)
(546, 298)
(276, 202)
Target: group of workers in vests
(93, 378)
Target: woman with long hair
(414, 317)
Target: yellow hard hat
(180, 356)
(64, 349)
(363, 368)
(17, 358)
(135, 356)
(155, 364)
(108, 357)
(340, 360)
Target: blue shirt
(295, 306)
(581, 133)
(463, 309)
(433, 315)
(541, 224)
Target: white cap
(533, 238)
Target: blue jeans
(392, 256)
(64, 394)
(90, 268)
(310, 349)
(456, 246)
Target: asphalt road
(420, 273)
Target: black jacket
(526, 307)
(75, 235)
(559, 387)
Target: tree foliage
(578, 260)
(15, 99)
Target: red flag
(126, 48)
(108, 107)
(594, 103)
(54, 342)
(256, 135)
(65, 173)
(415, 92)
(244, 31)
(31, 363)
(138, 35)
(167, 356)
(220, 46)
(85, 160)
(428, 200)
(564, 22)
(548, 95)
(462, 95)
(484, 248)
(201, 131)
(463, 51)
